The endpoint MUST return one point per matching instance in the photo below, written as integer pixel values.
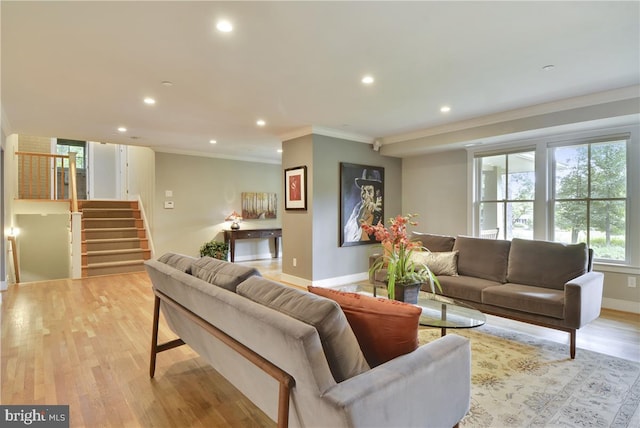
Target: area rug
(523, 381)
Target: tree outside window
(590, 191)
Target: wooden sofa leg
(155, 348)
(154, 337)
(573, 344)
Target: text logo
(34, 416)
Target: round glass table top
(443, 312)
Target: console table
(231, 236)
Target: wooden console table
(231, 236)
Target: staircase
(113, 238)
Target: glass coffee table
(437, 311)
(443, 312)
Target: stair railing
(43, 176)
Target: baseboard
(621, 305)
(251, 257)
(341, 280)
(3, 285)
(329, 282)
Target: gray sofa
(539, 282)
(294, 355)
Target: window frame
(543, 206)
(478, 201)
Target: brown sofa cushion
(339, 343)
(545, 264)
(463, 287)
(385, 329)
(221, 273)
(435, 243)
(482, 258)
(526, 298)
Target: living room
(429, 170)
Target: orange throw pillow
(385, 329)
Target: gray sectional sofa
(294, 355)
(539, 282)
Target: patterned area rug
(522, 381)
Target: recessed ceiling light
(445, 109)
(166, 83)
(548, 67)
(261, 122)
(212, 141)
(279, 150)
(367, 80)
(224, 26)
(149, 100)
(122, 129)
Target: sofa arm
(583, 299)
(429, 387)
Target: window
(569, 191)
(63, 147)
(507, 189)
(590, 196)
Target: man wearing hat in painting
(368, 210)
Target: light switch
(168, 193)
(168, 205)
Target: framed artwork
(259, 205)
(295, 188)
(361, 200)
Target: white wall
(43, 245)
(435, 188)
(205, 191)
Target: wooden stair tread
(113, 264)
(120, 251)
(113, 237)
(105, 240)
(102, 229)
(108, 218)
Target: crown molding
(619, 94)
(327, 132)
(218, 156)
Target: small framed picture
(295, 188)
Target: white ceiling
(79, 70)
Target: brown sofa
(539, 282)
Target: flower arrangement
(396, 257)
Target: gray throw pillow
(177, 261)
(221, 273)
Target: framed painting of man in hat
(361, 201)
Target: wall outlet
(295, 262)
(168, 193)
(631, 281)
(168, 205)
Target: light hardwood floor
(86, 343)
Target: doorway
(64, 147)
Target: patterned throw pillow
(444, 263)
